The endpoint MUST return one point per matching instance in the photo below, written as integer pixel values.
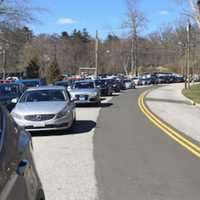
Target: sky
(106, 16)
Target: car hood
(34, 108)
(83, 91)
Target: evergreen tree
(53, 73)
(33, 69)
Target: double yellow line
(194, 149)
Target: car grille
(37, 118)
(84, 96)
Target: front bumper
(54, 124)
(86, 99)
(89, 101)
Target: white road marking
(66, 163)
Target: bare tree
(135, 22)
(195, 6)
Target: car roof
(88, 80)
(46, 88)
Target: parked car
(162, 78)
(5, 81)
(19, 179)
(45, 108)
(8, 92)
(28, 83)
(179, 79)
(137, 81)
(128, 84)
(104, 86)
(85, 91)
(115, 85)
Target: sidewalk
(171, 106)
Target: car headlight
(63, 113)
(94, 94)
(17, 116)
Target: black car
(105, 87)
(115, 85)
(19, 179)
(9, 92)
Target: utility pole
(4, 63)
(96, 53)
(187, 82)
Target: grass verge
(193, 93)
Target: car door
(12, 185)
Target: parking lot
(65, 159)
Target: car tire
(40, 195)
(74, 120)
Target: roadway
(116, 153)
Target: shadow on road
(102, 105)
(115, 95)
(79, 127)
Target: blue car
(28, 83)
(8, 92)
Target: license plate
(82, 98)
(40, 124)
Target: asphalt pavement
(115, 153)
(136, 160)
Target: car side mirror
(14, 101)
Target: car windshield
(127, 81)
(43, 95)
(84, 85)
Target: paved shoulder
(135, 160)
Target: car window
(43, 95)
(84, 85)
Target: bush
(53, 72)
(33, 69)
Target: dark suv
(105, 87)
(18, 177)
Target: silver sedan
(85, 91)
(45, 108)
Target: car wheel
(40, 195)
(74, 120)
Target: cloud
(164, 12)
(66, 21)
